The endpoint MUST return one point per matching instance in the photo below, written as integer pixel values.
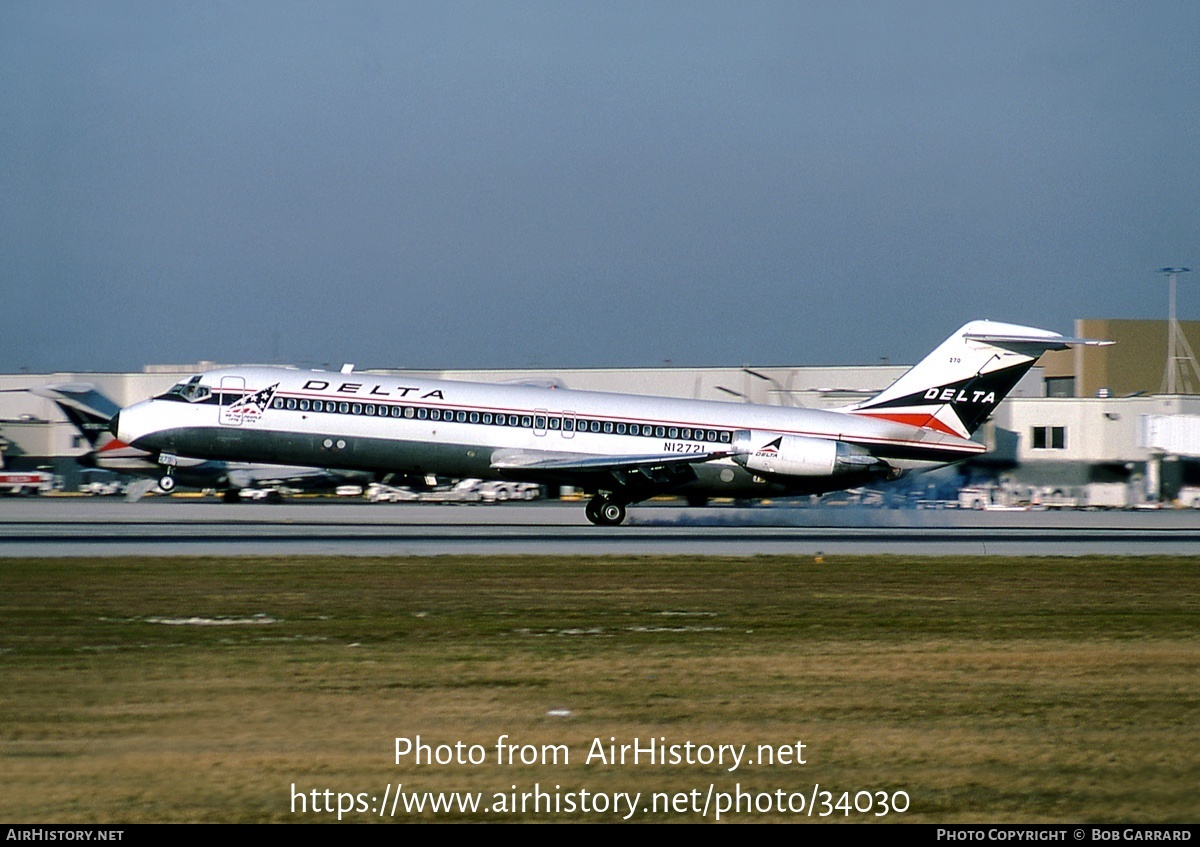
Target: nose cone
(114, 424)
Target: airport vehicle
(377, 492)
(90, 411)
(621, 448)
(502, 490)
(22, 483)
(1107, 495)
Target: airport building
(1107, 415)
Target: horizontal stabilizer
(1042, 342)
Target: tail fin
(85, 407)
(956, 387)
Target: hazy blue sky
(481, 184)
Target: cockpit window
(190, 390)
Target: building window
(1060, 386)
(1049, 438)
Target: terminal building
(1111, 415)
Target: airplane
(620, 448)
(90, 411)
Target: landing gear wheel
(166, 484)
(231, 495)
(612, 513)
(604, 512)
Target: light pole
(1175, 341)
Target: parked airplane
(90, 411)
(621, 448)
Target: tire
(166, 484)
(611, 513)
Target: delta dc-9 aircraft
(620, 448)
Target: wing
(269, 476)
(645, 474)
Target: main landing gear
(166, 483)
(605, 511)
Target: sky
(584, 184)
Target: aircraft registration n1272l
(620, 448)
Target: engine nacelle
(776, 454)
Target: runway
(77, 526)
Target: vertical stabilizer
(957, 387)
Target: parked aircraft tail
(85, 407)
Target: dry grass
(989, 689)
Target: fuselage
(387, 424)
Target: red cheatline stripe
(921, 420)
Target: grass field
(1015, 690)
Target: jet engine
(776, 454)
